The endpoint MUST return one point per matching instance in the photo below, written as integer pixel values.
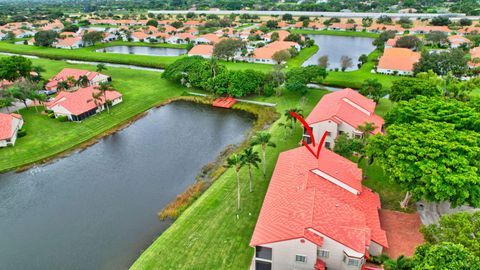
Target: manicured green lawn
(335, 33)
(302, 56)
(46, 137)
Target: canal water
(97, 208)
(144, 50)
(337, 46)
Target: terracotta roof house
(203, 50)
(428, 29)
(390, 43)
(181, 38)
(265, 53)
(343, 27)
(341, 112)
(282, 34)
(79, 105)
(94, 78)
(193, 23)
(398, 61)
(457, 40)
(317, 215)
(69, 43)
(468, 30)
(10, 124)
(384, 27)
(139, 36)
(206, 39)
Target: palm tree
(63, 85)
(104, 87)
(71, 81)
(291, 118)
(6, 102)
(263, 138)
(83, 81)
(236, 162)
(101, 67)
(402, 263)
(38, 70)
(96, 98)
(214, 66)
(367, 130)
(250, 158)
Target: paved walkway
(403, 232)
(17, 105)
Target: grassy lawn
(334, 33)
(302, 56)
(47, 137)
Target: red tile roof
(298, 199)
(6, 125)
(337, 106)
(79, 101)
(269, 50)
(401, 59)
(71, 72)
(457, 40)
(202, 49)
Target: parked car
(47, 92)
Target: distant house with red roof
(80, 104)
(206, 39)
(428, 29)
(94, 78)
(398, 61)
(282, 35)
(474, 57)
(10, 124)
(456, 40)
(265, 53)
(69, 42)
(203, 50)
(341, 112)
(317, 215)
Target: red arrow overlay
(309, 131)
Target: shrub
(21, 133)
(51, 115)
(63, 118)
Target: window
(350, 261)
(263, 253)
(327, 145)
(300, 258)
(329, 133)
(261, 265)
(322, 253)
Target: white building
(10, 124)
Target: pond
(97, 208)
(337, 46)
(144, 50)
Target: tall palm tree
(291, 118)
(250, 158)
(63, 85)
(83, 81)
(263, 138)
(96, 98)
(214, 66)
(367, 130)
(6, 102)
(104, 87)
(101, 67)
(235, 161)
(71, 81)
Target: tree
(379, 42)
(281, 56)
(45, 38)
(367, 21)
(437, 109)
(384, 19)
(410, 42)
(101, 67)
(105, 87)
(250, 158)
(445, 255)
(9, 36)
(71, 28)
(177, 24)
(459, 228)
(436, 37)
(440, 21)
(295, 38)
(275, 36)
(296, 86)
(401, 263)
(14, 67)
(235, 161)
(23, 90)
(363, 59)
(465, 22)
(430, 161)
(263, 138)
(323, 61)
(304, 75)
(373, 89)
(96, 99)
(287, 17)
(346, 62)
(92, 37)
(152, 22)
(442, 63)
(227, 48)
(291, 119)
(407, 88)
(83, 81)
(345, 146)
(6, 101)
(63, 85)
(272, 24)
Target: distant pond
(144, 50)
(97, 208)
(337, 46)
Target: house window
(322, 253)
(263, 253)
(261, 265)
(300, 258)
(329, 133)
(327, 145)
(351, 261)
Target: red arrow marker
(309, 131)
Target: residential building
(80, 104)
(341, 112)
(456, 40)
(398, 61)
(265, 53)
(206, 39)
(94, 78)
(10, 124)
(317, 215)
(474, 57)
(69, 43)
(203, 50)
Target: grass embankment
(47, 137)
(302, 56)
(335, 33)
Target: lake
(97, 208)
(144, 50)
(337, 46)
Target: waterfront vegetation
(335, 33)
